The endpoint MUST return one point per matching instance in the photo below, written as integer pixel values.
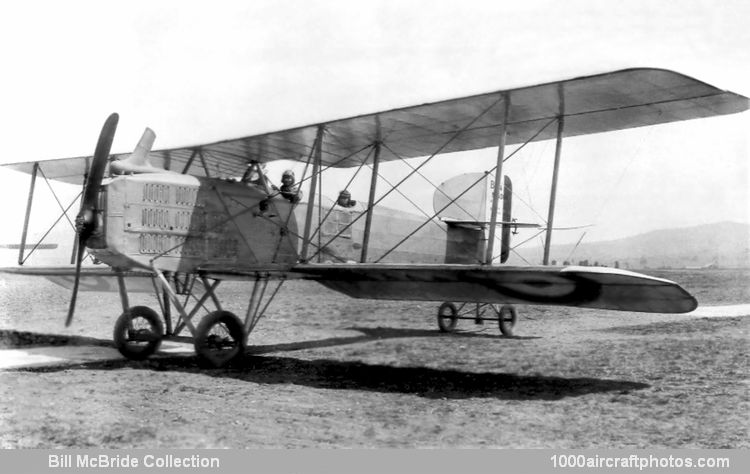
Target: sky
(204, 71)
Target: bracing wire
(437, 152)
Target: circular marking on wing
(551, 289)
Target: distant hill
(724, 244)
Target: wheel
(507, 319)
(138, 332)
(219, 338)
(447, 317)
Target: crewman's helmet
(289, 173)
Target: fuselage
(182, 223)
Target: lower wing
(586, 287)
(92, 279)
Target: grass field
(324, 370)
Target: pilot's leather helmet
(345, 199)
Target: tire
(219, 339)
(138, 333)
(447, 317)
(506, 319)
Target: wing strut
(498, 181)
(22, 255)
(203, 162)
(190, 161)
(22, 248)
(313, 186)
(371, 199)
(442, 147)
(555, 172)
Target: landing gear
(448, 315)
(138, 332)
(219, 338)
(506, 319)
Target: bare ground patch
(327, 371)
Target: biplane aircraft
(166, 217)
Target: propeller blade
(74, 296)
(99, 163)
(86, 220)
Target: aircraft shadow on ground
(330, 374)
(15, 339)
(426, 382)
(351, 375)
(10, 339)
(373, 334)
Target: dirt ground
(327, 371)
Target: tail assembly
(463, 198)
(464, 203)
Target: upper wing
(586, 287)
(606, 102)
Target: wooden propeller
(86, 220)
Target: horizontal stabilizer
(518, 225)
(484, 224)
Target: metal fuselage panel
(179, 223)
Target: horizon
(693, 250)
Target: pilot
(253, 174)
(288, 189)
(345, 199)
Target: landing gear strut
(448, 315)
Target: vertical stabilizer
(507, 217)
(466, 210)
(469, 202)
(463, 203)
